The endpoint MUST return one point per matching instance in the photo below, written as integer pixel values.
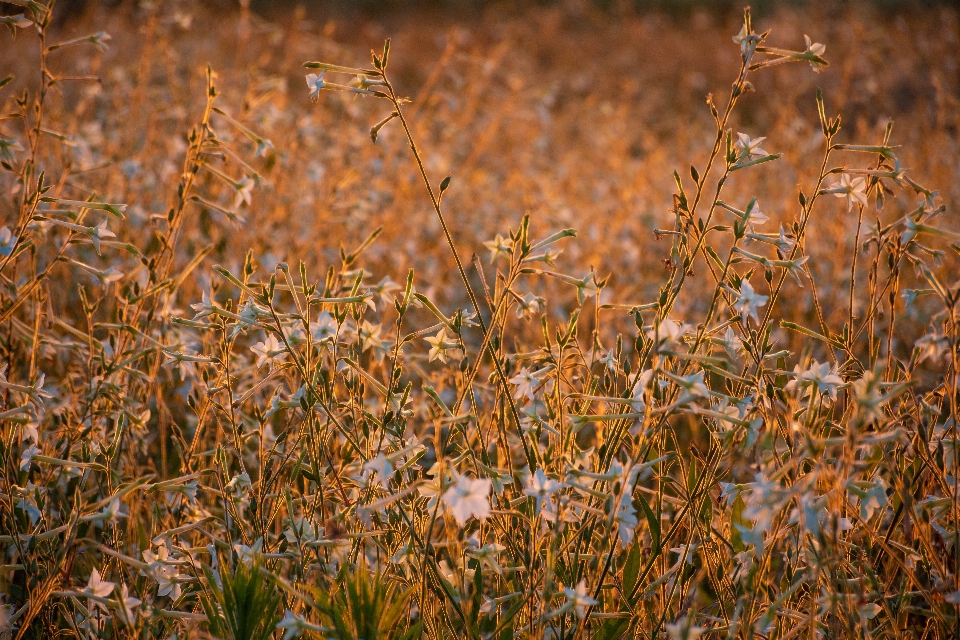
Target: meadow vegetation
(566, 325)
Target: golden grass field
(728, 408)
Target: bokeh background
(574, 112)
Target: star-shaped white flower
(440, 344)
(268, 351)
(99, 588)
(854, 190)
(468, 498)
(578, 600)
(749, 147)
(499, 247)
(748, 302)
(315, 83)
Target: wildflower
(609, 360)
(626, 520)
(203, 308)
(933, 345)
(683, 629)
(854, 190)
(489, 556)
(468, 499)
(8, 241)
(379, 465)
(746, 40)
(26, 458)
(129, 603)
(753, 216)
(819, 375)
(370, 336)
(732, 343)
(499, 247)
(98, 588)
(111, 512)
(668, 332)
(526, 382)
(639, 393)
(578, 600)
(300, 530)
(293, 626)
(869, 399)
(871, 495)
(168, 582)
(238, 487)
(749, 147)
(588, 287)
(541, 487)
(244, 189)
(440, 344)
(315, 83)
(748, 302)
(100, 232)
(692, 386)
(384, 289)
(324, 328)
(247, 554)
(817, 49)
(529, 306)
(267, 352)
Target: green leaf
(652, 521)
(631, 570)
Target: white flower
(529, 306)
(268, 351)
(99, 588)
(749, 147)
(468, 499)
(324, 328)
(682, 629)
(578, 600)
(819, 375)
(541, 487)
(100, 232)
(499, 247)
(668, 332)
(526, 382)
(588, 287)
(732, 343)
(247, 554)
(626, 519)
(370, 336)
(244, 190)
(748, 302)
(129, 604)
(203, 308)
(8, 241)
(293, 626)
(754, 216)
(933, 345)
(315, 83)
(26, 458)
(488, 555)
(692, 386)
(384, 289)
(379, 465)
(639, 394)
(854, 190)
(440, 344)
(816, 49)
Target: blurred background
(575, 112)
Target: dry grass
(215, 442)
